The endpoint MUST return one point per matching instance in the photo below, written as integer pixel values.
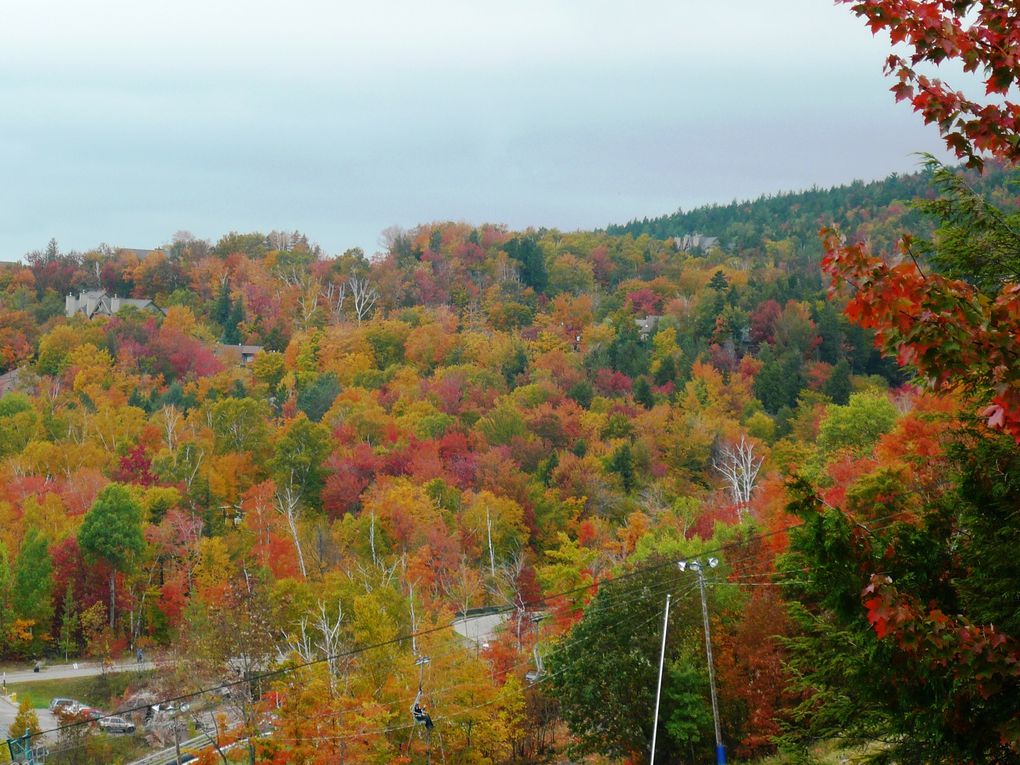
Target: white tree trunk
(288, 502)
(492, 554)
(739, 466)
(363, 295)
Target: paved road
(68, 671)
(9, 711)
(481, 628)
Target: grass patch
(98, 691)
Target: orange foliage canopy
(983, 35)
(954, 335)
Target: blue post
(720, 755)
(21, 748)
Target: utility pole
(177, 738)
(21, 749)
(658, 688)
(720, 750)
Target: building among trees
(99, 303)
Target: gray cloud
(128, 124)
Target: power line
(573, 642)
(437, 628)
(356, 651)
(613, 600)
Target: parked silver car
(116, 725)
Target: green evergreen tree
(582, 393)
(546, 468)
(6, 594)
(622, 463)
(686, 687)
(718, 282)
(627, 354)
(837, 387)
(779, 381)
(112, 534)
(525, 250)
(604, 674)
(33, 584)
(643, 393)
(231, 329)
(899, 665)
(976, 241)
(316, 399)
(221, 310)
(516, 364)
(69, 624)
(666, 372)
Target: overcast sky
(125, 121)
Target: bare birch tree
(738, 465)
(171, 418)
(288, 503)
(335, 294)
(363, 296)
(308, 302)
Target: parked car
(88, 713)
(116, 724)
(65, 706)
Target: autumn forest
(427, 505)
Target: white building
(98, 303)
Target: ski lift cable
(611, 599)
(419, 713)
(655, 593)
(406, 637)
(572, 642)
(440, 691)
(447, 716)
(617, 600)
(359, 650)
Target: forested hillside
(735, 484)
(877, 211)
(485, 418)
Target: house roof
(103, 303)
(244, 349)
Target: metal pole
(177, 739)
(720, 750)
(658, 688)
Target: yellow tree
(497, 525)
(25, 720)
